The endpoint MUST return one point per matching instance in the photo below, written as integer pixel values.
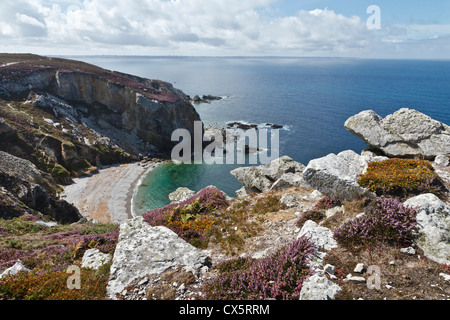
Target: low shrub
(192, 218)
(385, 220)
(53, 286)
(326, 203)
(400, 177)
(279, 276)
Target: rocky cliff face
(26, 190)
(139, 115)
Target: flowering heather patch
(400, 177)
(105, 242)
(9, 256)
(48, 253)
(326, 203)
(192, 218)
(53, 286)
(386, 220)
(4, 231)
(445, 268)
(279, 276)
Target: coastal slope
(70, 119)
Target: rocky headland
(313, 231)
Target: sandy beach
(107, 196)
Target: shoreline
(107, 196)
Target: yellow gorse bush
(399, 176)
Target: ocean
(311, 97)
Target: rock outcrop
(406, 133)
(15, 269)
(280, 173)
(433, 222)
(95, 259)
(336, 176)
(25, 189)
(181, 194)
(144, 250)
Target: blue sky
(336, 28)
(394, 11)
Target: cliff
(69, 118)
(139, 115)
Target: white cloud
(187, 27)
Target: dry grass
(164, 288)
(409, 277)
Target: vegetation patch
(384, 220)
(48, 252)
(279, 276)
(401, 177)
(53, 285)
(192, 218)
(208, 219)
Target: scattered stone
(442, 160)
(144, 250)
(181, 194)
(329, 269)
(318, 287)
(322, 237)
(445, 276)
(241, 193)
(359, 268)
(47, 224)
(262, 178)
(290, 200)
(94, 259)
(15, 269)
(289, 180)
(410, 251)
(351, 278)
(333, 211)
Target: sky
(398, 29)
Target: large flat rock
(405, 133)
(145, 250)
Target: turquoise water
(312, 97)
